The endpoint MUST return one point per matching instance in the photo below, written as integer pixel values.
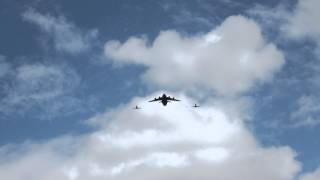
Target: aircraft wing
(172, 99)
(156, 99)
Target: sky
(71, 73)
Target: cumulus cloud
(156, 143)
(65, 35)
(230, 59)
(311, 176)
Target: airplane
(164, 99)
(137, 107)
(195, 105)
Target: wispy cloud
(300, 23)
(185, 17)
(66, 36)
(39, 85)
(307, 112)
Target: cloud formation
(311, 176)
(65, 35)
(156, 143)
(304, 21)
(230, 59)
(300, 23)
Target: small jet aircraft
(195, 105)
(164, 99)
(137, 107)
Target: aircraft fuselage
(164, 100)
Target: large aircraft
(195, 105)
(164, 99)
(137, 107)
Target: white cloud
(212, 154)
(230, 59)
(311, 176)
(300, 23)
(65, 35)
(156, 142)
(304, 21)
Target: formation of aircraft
(164, 99)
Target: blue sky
(64, 65)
